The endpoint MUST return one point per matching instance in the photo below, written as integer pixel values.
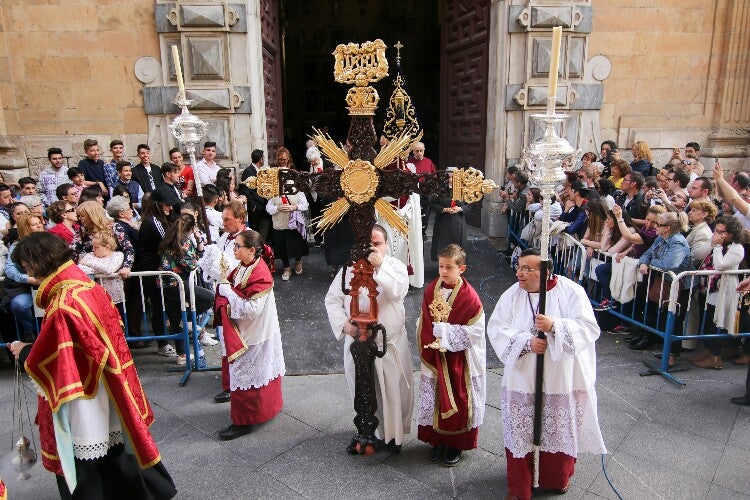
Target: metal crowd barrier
(196, 328)
(685, 305)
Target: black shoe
(393, 447)
(637, 339)
(643, 345)
(452, 457)
(352, 448)
(222, 397)
(436, 454)
(742, 400)
(235, 431)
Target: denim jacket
(671, 254)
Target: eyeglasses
(582, 177)
(237, 246)
(70, 210)
(524, 269)
(719, 231)
(663, 225)
(670, 178)
(626, 180)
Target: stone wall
(677, 75)
(66, 73)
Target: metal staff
(545, 159)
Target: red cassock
(80, 343)
(453, 421)
(251, 405)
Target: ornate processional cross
(359, 187)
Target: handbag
(658, 291)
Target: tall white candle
(178, 70)
(554, 63)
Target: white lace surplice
(570, 421)
(258, 322)
(469, 338)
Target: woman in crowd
(18, 284)
(587, 159)
(642, 162)
(669, 252)
(121, 211)
(721, 298)
(702, 213)
(227, 187)
(290, 233)
(619, 170)
(187, 176)
(93, 220)
(16, 210)
(154, 225)
(606, 190)
(121, 190)
(182, 246)
(91, 400)
(597, 233)
(65, 217)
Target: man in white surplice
(570, 423)
(393, 372)
(408, 248)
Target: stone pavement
(663, 441)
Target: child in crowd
(77, 179)
(451, 337)
(104, 259)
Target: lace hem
(428, 395)
(569, 423)
(258, 366)
(93, 448)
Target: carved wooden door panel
(463, 85)
(272, 76)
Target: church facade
(630, 70)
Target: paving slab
(665, 441)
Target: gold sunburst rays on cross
(359, 181)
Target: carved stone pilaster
(12, 155)
(215, 40)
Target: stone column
(729, 138)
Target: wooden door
(463, 85)
(270, 34)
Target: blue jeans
(604, 276)
(22, 308)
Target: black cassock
(449, 228)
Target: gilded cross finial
(398, 48)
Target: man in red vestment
(450, 336)
(91, 397)
(418, 163)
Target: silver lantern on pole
(547, 159)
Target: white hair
(311, 153)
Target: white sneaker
(206, 339)
(181, 360)
(167, 351)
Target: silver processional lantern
(188, 129)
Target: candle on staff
(178, 70)
(554, 65)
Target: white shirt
(207, 173)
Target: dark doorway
(311, 30)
